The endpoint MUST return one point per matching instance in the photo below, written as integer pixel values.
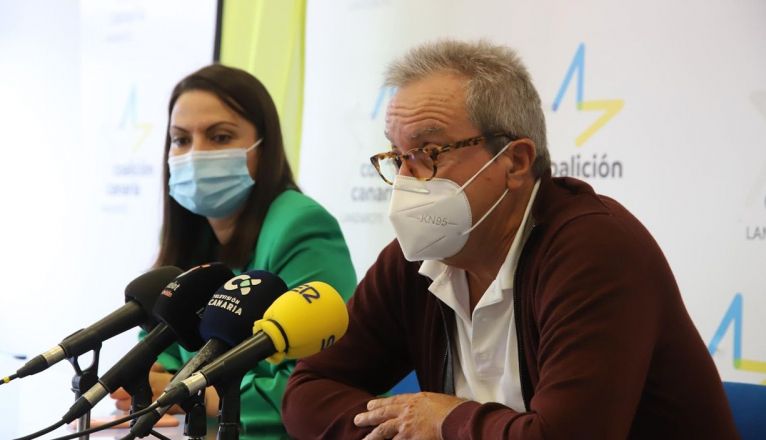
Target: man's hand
(158, 380)
(407, 416)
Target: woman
(229, 195)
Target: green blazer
(300, 242)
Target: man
(529, 307)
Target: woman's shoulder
(291, 199)
(292, 205)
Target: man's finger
(384, 431)
(377, 416)
(123, 404)
(385, 401)
(120, 394)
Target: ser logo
(242, 282)
(308, 292)
(596, 166)
(328, 341)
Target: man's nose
(407, 169)
(416, 167)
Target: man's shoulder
(568, 214)
(563, 199)
(392, 256)
(391, 266)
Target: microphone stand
(140, 394)
(83, 380)
(195, 421)
(228, 416)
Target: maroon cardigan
(606, 347)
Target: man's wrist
(448, 429)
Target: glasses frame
(432, 151)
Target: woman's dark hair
(186, 239)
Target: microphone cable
(156, 434)
(42, 431)
(8, 378)
(159, 436)
(116, 422)
(17, 356)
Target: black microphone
(179, 307)
(301, 322)
(140, 296)
(227, 320)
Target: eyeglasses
(422, 161)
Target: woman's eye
(179, 141)
(222, 138)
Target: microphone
(301, 322)
(227, 320)
(178, 307)
(183, 316)
(140, 296)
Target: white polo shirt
(486, 365)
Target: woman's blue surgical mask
(211, 183)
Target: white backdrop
(84, 87)
(677, 91)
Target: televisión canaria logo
(242, 282)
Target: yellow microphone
(304, 321)
(301, 322)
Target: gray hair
(500, 96)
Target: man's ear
(521, 156)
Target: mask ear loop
(485, 166)
(489, 211)
(258, 142)
(486, 213)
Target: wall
(660, 105)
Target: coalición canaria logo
(595, 165)
(243, 283)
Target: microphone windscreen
(230, 313)
(183, 300)
(145, 289)
(304, 320)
